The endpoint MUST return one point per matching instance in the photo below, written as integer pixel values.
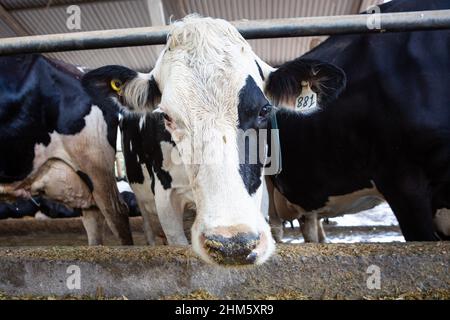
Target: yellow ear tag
(116, 85)
(306, 102)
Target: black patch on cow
(98, 85)
(36, 99)
(55, 209)
(29, 207)
(86, 180)
(325, 79)
(251, 101)
(260, 71)
(391, 125)
(18, 209)
(97, 82)
(154, 95)
(130, 199)
(144, 147)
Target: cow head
(212, 87)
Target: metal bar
(256, 29)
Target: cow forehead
(207, 56)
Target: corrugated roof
(5, 31)
(42, 17)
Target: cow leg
(442, 223)
(106, 197)
(147, 224)
(321, 232)
(152, 227)
(409, 197)
(276, 224)
(146, 202)
(310, 228)
(170, 210)
(93, 222)
(115, 213)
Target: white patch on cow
(81, 69)
(172, 163)
(146, 203)
(40, 216)
(170, 206)
(142, 122)
(95, 127)
(173, 202)
(354, 202)
(123, 186)
(131, 146)
(442, 221)
(135, 92)
(60, 159)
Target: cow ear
(136, 91)
(286, 83)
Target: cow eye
(265, 111)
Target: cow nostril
(232, 250)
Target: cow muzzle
(233, 248)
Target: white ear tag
(306, 102)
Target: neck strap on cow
(275, 154)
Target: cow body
(55, 143)
(386, 136)
(157, 176)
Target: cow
(54, 142)
(211, 86)
(35, 205)
(387, 136)
(204, 89)
(158, 180)
(281, 210)
(18, 209)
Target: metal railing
(255, 29)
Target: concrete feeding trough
(316, 271)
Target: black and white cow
(210, 86)
(386, 137)
(157, 176)
(30, 207)
(55, 143)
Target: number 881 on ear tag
(306, 102)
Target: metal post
(256, 29)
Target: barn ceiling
(36, 17)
